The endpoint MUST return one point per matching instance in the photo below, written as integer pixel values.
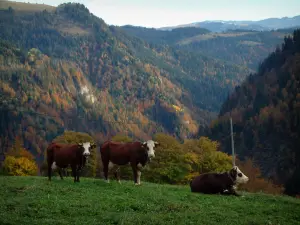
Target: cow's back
(62, 154)
(206, 183)
(66, 154)
(120, 153)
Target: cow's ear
(233, 172)
(144, 144)
(79, 143)
(156, 143)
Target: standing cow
(137, 154)
(63, 155)
(222, 183)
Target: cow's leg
(60, 173)
(49, 171)
(78, 173)
(117, 174)
(231, 191)
(51, 166)
(74, 172)
(105, 169)
(110, 167)
(139, 173)
(135, 173)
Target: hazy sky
(159, 13)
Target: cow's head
(237, 175)
(85, 147)
(149, 145)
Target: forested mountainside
(243, 47)
(156, 36)
(64, 68)
(266, 115)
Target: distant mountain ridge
(260, 25)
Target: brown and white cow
(62, 155)
(219, 183)
(137, 154)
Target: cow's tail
(50, 152)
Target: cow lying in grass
(219, 183)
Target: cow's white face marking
(150, 148)
(53, 166)
(86, 148)
(240, 177)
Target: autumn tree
(170, 164)
(256, 181)
(203, 156)
(121, 138)
(19, 161)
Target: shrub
(256, 182)
(19, 161)
(19, 166)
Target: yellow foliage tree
(170, 164)
(19, 161)
(19, 166)
(203, 156)
(121, 138)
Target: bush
(256, 182)
(20, 166)
(203, 156)
(19, 161)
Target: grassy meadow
(34, 200)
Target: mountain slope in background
(260, 25)
(66, 69)
(265, 111)
(240, 47)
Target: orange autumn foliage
(19, 161)
(256, 183)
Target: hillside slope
(241, 47)
(25, 7)
(265, 111)
(66, 69)
(156, 36)
(28, 200)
